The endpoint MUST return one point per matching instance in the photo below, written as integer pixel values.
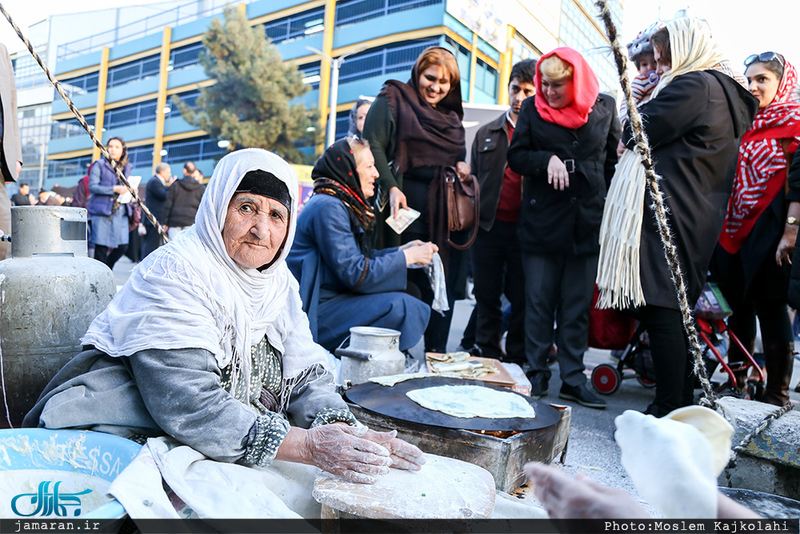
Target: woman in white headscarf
(207, 343)
(694, 122)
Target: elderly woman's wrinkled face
(255, 228)
(558, 93)
(434, 84)
(763, 83)
(367, 173)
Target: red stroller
(710, 312)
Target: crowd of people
(555, 170)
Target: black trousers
(151, 241)
(109, 256)
(558, 287)
(671, 359)
(497, 270)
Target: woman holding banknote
(415, 131)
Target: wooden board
(500, 378)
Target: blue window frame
(352, 11)
(133, 71)
(296, 25)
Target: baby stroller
(710, 312)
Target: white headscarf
(191, 294)
(618, 276)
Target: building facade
(126, 89)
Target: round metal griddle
(393, 402)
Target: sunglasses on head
(764, 57)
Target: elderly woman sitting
(343, 281)
(207, 343)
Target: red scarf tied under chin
(584, 83)
(761, 171)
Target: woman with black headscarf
(415, 130)
(343, 282)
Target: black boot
(779, 360)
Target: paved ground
(592, 449)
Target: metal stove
(501, 446)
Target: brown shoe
(779, 358)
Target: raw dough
(390, 380)
(472, 401)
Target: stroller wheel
(646, 382)
(606, 379)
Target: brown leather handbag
(463, 206)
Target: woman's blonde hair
(442, 57)
(555, 68)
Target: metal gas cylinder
(372, 352)
(50, 291)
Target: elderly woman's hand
(419, 253)
(557, 174)
(397, 200)
(345, 451)
(404, 455)
(786, 245)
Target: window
(382, 61)
(80, 85)
(486, 78)
(352, 11)
(186, 56)
(297, 25)
(133, 71)
(73, 167)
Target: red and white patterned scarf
(762, 163)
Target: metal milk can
(50, 291)
(372, 352)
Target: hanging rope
(83, 123)
(670, 251)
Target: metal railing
(146, 26)
(352, 11)
(294, 26)
(385, 61)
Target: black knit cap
(267, 185)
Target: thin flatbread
(472, 401)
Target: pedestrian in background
(23, 197)
(417, 126)
(183, 200)
(156, 196)
(564, 146)
(757, 222)
(10, 147)
(358, 115)
(109, 220)
(496, 256)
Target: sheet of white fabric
(192, 290)
(671, 464)
(211, 489)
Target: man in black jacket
(496, 260)
(156, 197)
(182, 201)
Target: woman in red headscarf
(564, 145)
(756, 222)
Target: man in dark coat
(23, 197)
(496, 261)
(182, 201)
(155, 196)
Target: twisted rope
(768, 420)
(83, 123)
(658, 207)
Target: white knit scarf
(618, 274)
(191, 294)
